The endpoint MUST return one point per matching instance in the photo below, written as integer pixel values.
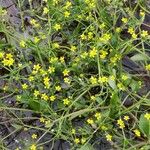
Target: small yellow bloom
(36, 93)
(98, 115)
(147, 67)
(103, 54)
(34, 136)
(22, 43)
(90, 121)
(52, 98)
(103, 79)
(67, 80)
(83, 140)
(66, 14)
(31, 78)
(124, 20)
(24, 86)
(120, 86)
(56, 45)
(144, 33)
(33, 147)
(131, 30)
(1, 55)
(58, 88)
(120, 123)
(93, 98)
(134, 36)
(73, 48)
(42, 120)
(66, 101)
(45, 10)
(147, 116)
(62, 59)
(66, 72)
(126, 118)
(93, 52)
(76, 140)
(93, 80)
(142, 13)
(73, 131)
(137, 132)
(36, 40)
(51, 70)
(109, 137)
(124, 77)
(57, 27)
(44, 96)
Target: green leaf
(114, 105)
(139, 57)
(34, 105)
(144, 125)
(86, 147)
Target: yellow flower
(8, 62)
(36, 93)
(142, 13)
(73, 131)
(103, 54)
(124, 77)
(105, 38)
(66, 14)
(73, 48)
(1, 55)
(93, 98)
(42, 120)
(147, 67)
(58, 88)
(76, 140)
(126, 118)
(134, 36)
(31, 78)
(98, 115)
(137, 132)
(90, 121)
(57, 27)
(45, 10)
(36, 67)
(120, 86)
(67, 80)
(51, 69)
(144, 33)
(68, 4)
(24, 86)
(66, 72)
(36, 40)
(103, 79)
(44, 96)
(33, 147)
(131, 30)
(118, 30)
(52, 98)
(56, 45)
(62, 59)
(22, 43)
(120, 123)
(147, 116)
(46, 82)
(124, 20)
(93, 80)
(84, 55)
(109, 137)
(66, 101)
(83, 37)
(34, 136)
(83, 140)
(93, 52)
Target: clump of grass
(68, 68)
